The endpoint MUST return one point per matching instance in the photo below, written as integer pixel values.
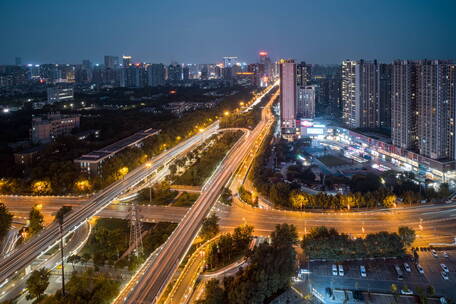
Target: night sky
(203, 31)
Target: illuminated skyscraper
(267, 68)
(126, 61)
(361, 94)
(303, 74)
(288, 98)
(306, 101)
(436, 101)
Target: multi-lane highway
(158, 272)
(26, 253)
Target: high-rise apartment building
(155, 75)
(423, 107)
(436, 101)
(361, 94)
(111, 62)
(287, 71)
(126, 61)
(385, 95)
(306, 101)
(185, 73)
(403, 104)
(303, 74)
(174, 72)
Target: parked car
(362, 270)
(445, 254)
(334, 269)
(444, 275)
(341, 270)
(407, 267)
(420, 269)
(444, 267)
(434, 253)
(406, 291)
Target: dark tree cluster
(229, 247)
(6, 219)
(210, 227)
(327, 243)
(247, 197)
(269, 272)
(108, 241)
(87, 287)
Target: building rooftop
(98, 155)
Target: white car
(444, 267)
(444, 275)
(443, 300)
(406, 291)
(362, 270)
(434, 253)
(407, 267)
(420, 269)
(334, 269)
(445, 254)
(341, 270)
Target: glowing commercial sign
(315, 131)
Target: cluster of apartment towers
(415, 99)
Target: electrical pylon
(135, 230)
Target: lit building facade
(288, 98)
(306, 101)
(59, 93)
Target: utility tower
(135, 230)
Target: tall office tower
(360, 94)
(204, 72)
(385, 95)
(133, 77)
(111, 62)
(267, 65)
(306, 101)
(33, 71)
(288, 98)
(185, 73)
(403, 104)
(436, 100)
(87, 64)
(126, 61)
(303, 74)
(174, 72)
(18, 61)
(156, 75)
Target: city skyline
(328, 31)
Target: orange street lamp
(226, 113)
(123, 171)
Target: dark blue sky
(202, 31)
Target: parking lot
(381, 274)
